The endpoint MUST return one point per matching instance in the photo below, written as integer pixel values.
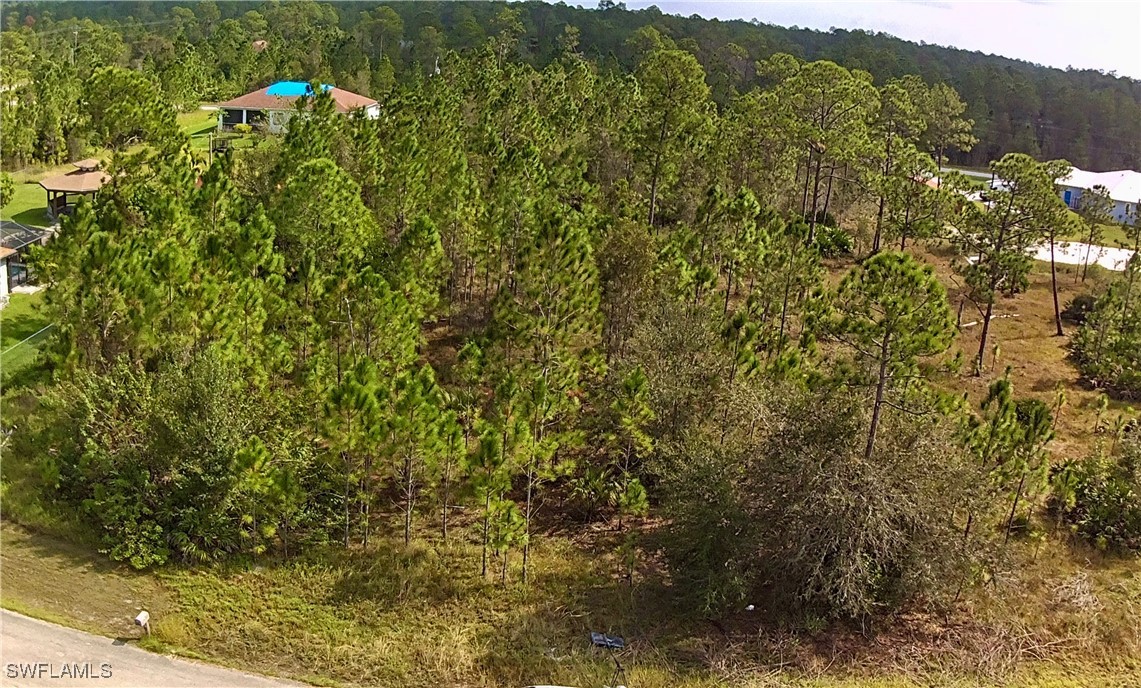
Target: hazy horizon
(1102, 35)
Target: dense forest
(202, 51)
(576, 278)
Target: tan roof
(5, 252)
(76, 182)
(88, 163)
(346, 101)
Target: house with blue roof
(271, 107)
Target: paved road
(36, 653)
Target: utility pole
(74, 45)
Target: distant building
(1124, 188)
(64, 189)
(272, 106)
(16, 240)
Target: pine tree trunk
(883, 198)
(1089, 247)
(1014, 506)
(879, 398)
(815, 203)
(1054, 287)
(986, 331)
(527, 520)
(807, 179)
(486, 528)
(657, 169)
(348, 497)
(408, 490)
(446, 487)
(365, 497)
(728, 289)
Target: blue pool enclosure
(293, 89)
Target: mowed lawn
(1111, 235)
(21, 333)
(29, 203)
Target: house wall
(1125, 212)
(3, 282)
(1122, 211)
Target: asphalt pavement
(37, 653)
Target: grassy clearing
(1111, 235)
(29, 204)
(21, 333)
(197, 122)
(408, 618)
(1024, 331)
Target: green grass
(197, 122)
(1112, 235)
(21, 333)
(28, 206)
(411, 618)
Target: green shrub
(1078, 309)
(1107, 348)
(792, 517)
(833, 242)
(186, 462)
(1100, 498)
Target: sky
(1087, 34)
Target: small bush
(1107, 348)
(177, 463)
(1079, 308)
(833, 242)
(1100, 497)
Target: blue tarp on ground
(292, 89)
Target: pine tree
(413, 435)
(674, 118)
(891, 311)
(631, 443)
(548, 327)
(1095, 210)
(997, 235)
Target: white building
(1124, 188)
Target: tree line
(216, 50)
(568, 294)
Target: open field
(395, 618)
(197, 122)
(29, 203)
(1023, 329)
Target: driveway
(37, 653)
